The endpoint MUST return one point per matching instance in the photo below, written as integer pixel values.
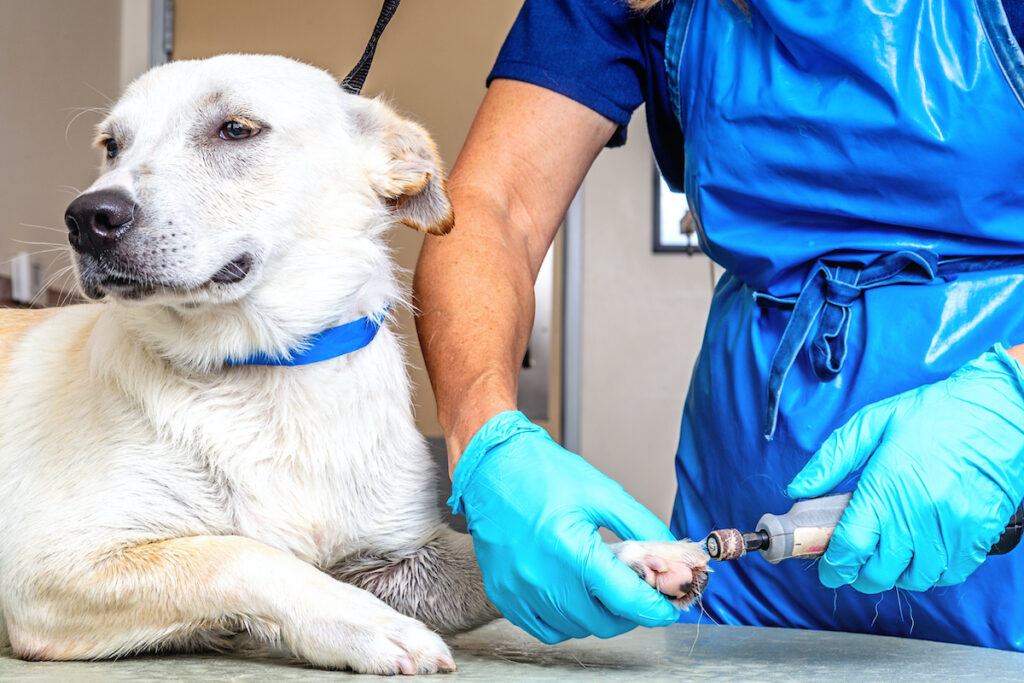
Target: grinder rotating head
(730, 544)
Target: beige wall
(135, 38)
(431, 63)
(63, 62)
(643, 320)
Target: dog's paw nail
(656, 563)
(405, 666)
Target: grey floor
(500, 652)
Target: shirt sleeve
(587, 50)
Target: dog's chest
(310, 460)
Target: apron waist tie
(827, 295)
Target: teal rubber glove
(943, 473)
(533, 509)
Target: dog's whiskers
(84, 110)
(43, 227)
(61, 272)
(102, 94)
(68, 189)
(45, 287)
(34, 253)
(54, 245)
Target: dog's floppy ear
(409, 176)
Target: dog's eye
(238, 130)
(112, 148)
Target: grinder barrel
(807, 528)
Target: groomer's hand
(533, 509)
(943, 473)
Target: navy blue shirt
(611, 59)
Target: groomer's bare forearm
(474, 299)
(525, 156)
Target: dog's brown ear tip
(411, 182)
(439, 228)
(445, 226)
(425, 205)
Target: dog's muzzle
(97, 220)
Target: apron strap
(827, 296)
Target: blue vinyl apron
(857, 167)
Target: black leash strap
(353, 82)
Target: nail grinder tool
(804, 532)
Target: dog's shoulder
(58, 328)
(14, 324)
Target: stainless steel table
(500, 652)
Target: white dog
(157, 491)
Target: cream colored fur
(152, 496)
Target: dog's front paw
(399, 645)
(375, 643)
(679, 570)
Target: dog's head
(243, 177)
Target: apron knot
(827, 296)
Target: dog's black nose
(96, 220)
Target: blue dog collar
(331, 343)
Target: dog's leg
(438, 583)
(5, 642)
(171, 591)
